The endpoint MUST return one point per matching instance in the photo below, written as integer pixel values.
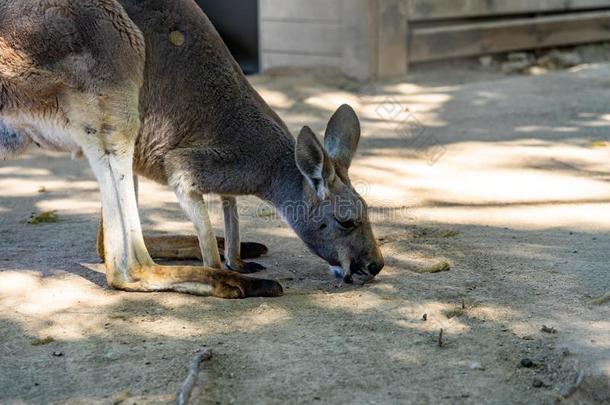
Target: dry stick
(188, 384)
(440, 338)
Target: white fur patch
(46, 133)
(204, 290)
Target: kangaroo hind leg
(104, 120)
(128, 263)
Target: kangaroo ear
(342, 136)
(313, 162)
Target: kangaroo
(149, 86)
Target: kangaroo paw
(203, 281)
(245, 267)
(245, 287)
(264, 288)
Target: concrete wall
(300, 33)
(364, 38)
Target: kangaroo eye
(349, 224)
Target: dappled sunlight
(381, 107)
(277, 99)
(169, 326)
(588, 334)
(409, 88)
(30, 294)
(332, 100)
(598, 121)
(350, 301)
(23, 171)
(416, 259)
(298, 120)
(264, 315)
(490, 312)
(536, 128)
(517, 183)
(76, 205)
(409, 315)
(161, 223)
(279, 231)
(71, 309)
(29, 297)
(20, 187)
(576, 215)
(452, 185)
(407, 358)
(154, 195)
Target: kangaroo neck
(285, 188)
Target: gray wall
(300, 33)
(364, 38)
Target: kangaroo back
(194, 92)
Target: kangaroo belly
(43, 131)
(12, 142)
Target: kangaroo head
(335, 223)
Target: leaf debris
(47, 217)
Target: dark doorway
(237, 23)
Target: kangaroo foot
(186, 247)
(203, 281)
(245, 267)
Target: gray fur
(12, 142)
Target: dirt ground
(505, 178)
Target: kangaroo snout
(375, 267)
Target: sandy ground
(506, 178)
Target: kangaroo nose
(375, 267)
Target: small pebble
(527, 363)
(424, 317)
(58, 354)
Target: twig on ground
(601, 300)
(189, 383)
(440, 338)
